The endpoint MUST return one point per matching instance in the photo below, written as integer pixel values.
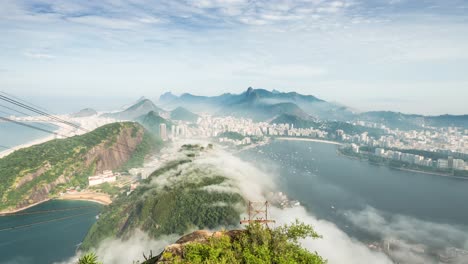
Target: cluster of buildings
(179, 129)
(450, 163)
(210, 126)
(106, 176)
(450, 139)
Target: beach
(102, 198)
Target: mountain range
(264, 105)
(258, 104)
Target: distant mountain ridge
(413, 121)
(84, 113)
(264, 105)
(258, 104)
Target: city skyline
(397, 55)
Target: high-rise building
(163, 131)
(450, 162)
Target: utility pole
(258, 213)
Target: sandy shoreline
(309, 139)
(102, 198)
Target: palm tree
(89, 258)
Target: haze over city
(234, 131)
(398, 55)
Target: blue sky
(401, 55)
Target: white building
(458, 164)
(442, 164)
(106, 176)
(379, 152)
(163, 131)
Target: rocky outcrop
(200, 236)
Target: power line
(42, 222)
(53, 117)
(124, 151)
(23, 113)
(12, 101)
(48, 211)
(24, 101)
(31, 126)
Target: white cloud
(408, 233)
(105, 22)
(38, 55)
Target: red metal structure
(258, 213)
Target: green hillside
(39, 172)
(183, 114)
(176, 198)
(151, 122)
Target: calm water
(12, 134)
(333, 187)
(53, 240)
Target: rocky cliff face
(112, 157)
(37, 173)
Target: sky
(401, 55)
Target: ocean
(12, 135)
(39, 237)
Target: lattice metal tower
(258, 213)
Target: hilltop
(151, 122)
(255, 244)
(36, 173)
(182, 114)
